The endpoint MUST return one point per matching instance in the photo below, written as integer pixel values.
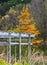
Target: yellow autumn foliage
(34, 42)
(9, 30)
(36, 32)
(12, 11)
(25, 12)
(27, 22)
(6, 16)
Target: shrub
(25, 62)
(2, 62)
(8, 64)
(16, 63)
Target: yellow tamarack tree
(26, 22)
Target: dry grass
(38, 58)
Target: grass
(37, 58)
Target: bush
(25, 62)
(8, 64)
(16, 63)
(2, 62)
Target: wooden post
(7, 54)
(20, 47)
(29, 49)
(15, 53)
(9, 48)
